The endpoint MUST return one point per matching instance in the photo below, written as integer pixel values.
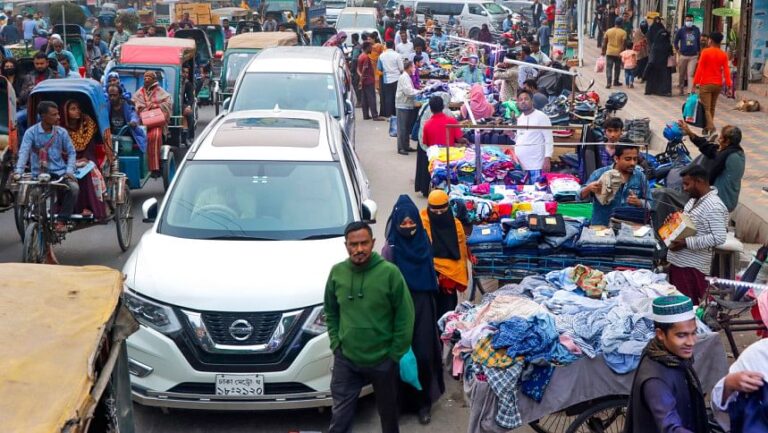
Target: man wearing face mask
(449, 248)
(687, 44)
(369, 316)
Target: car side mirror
(225, 104)
(349, 107)
(149, 210)
(369, 211)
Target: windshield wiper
(323, 236)
(238, 238)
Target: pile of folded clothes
(597, 242)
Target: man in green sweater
(369, 315)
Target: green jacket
(369, 311)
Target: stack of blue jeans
(594, 245)
(629, 246)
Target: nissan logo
(240, 330)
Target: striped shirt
(710, 216)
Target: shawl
(413, 254)
(661, 48)
(155, 97)
(84, 132)
(480, 106)
(336, 40)
(640, 43)
(455, 270)
(720, 159)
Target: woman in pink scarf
(480, 106)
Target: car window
(493, 8)
(440, 8)
(235, 64)
(476, 9)
(311, 92)
(257, 199)
(356, 21)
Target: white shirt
(406, 50)
(754, 358)
(397, 36)
(404, 97)
(533, 145)
(542, 58)
(391, 66)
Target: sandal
(86, 213)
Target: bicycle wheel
(34, 244)
(124, 222)
(604, 417)
(18, 216)
(555, 423)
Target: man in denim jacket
(633, 191)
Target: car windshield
(310, 92)
(235, 64)
(335, 4)
(493, 8)
(268, 200)
(356, 21)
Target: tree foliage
(72, 13)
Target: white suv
(228, 284)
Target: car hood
(233, 275)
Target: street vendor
(438, 41)
(666, 389)
(534, 147)
(471, 73)
(620, 184)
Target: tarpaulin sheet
(157, 51)
(262, 40)
(52, 319)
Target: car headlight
(315, 323)
(152, 314)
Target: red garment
(365, 70)
(389, 34)
(435, 130)
(712, 68)
(550, 11)
(689, 281)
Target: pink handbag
(154, 118)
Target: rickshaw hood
(217, 275)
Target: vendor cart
(63, 363)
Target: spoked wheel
(34, 244)
(555, 423)
(124, 222)
(605, 417)
(168, 167)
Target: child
(629, 59)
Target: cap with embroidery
(673, 309)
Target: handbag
(393, 126)
(600, 64)
(671, 61)
(154, 118)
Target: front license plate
(239, 385)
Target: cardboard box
(678, 226)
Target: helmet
(673, 132)
(616, 101)
(593, 96)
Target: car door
(348, 99)
(356, 169)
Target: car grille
(263, 324)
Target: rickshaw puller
(45, 146)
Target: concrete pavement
(751, 216)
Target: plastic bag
(600, 64)
(393, 126)
(689, 109)
(409, 371)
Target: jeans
(708, 94)
(629, 76)
(368, 101)
(613, 69)
(685, 67)
(593, 28)
(348, 380)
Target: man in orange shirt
(711, 71)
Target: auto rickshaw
(65, 334)
(247, 27)
(208, 67)
(74, 41)
(40, 235)
(215, 34)
(166, 57)
(242, 48)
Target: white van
(472, 14)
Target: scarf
(480, 106)
(445, 240)
(722, 157)
(657, 352)
(83, 134)
(412, 254)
